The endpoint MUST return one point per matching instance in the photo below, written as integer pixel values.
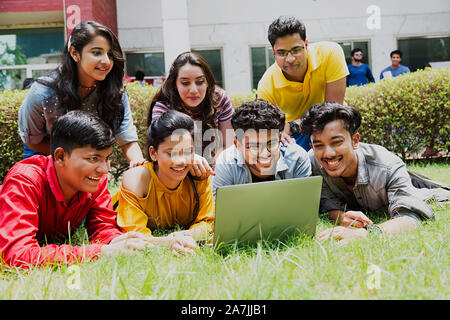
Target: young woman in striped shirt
(191, 88)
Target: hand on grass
(125, 243)
(342, 234)
(181, 242)
(200, 168)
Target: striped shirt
(223, 113)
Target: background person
(303, 74)
(360, 73)
(139, 77)
(89, 78)
(395, 69)
(359, 176)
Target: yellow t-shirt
(163, 208)
(326, 63)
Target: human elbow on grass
(162, 193)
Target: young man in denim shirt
(257, 154)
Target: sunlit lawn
(413, 265)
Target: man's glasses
(260, 147)
(358, 54)
(295, 52)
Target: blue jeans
(28, 152)
(302, 140)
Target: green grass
(413, 265)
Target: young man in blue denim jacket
(359, 176)
(257, 154)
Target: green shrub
(11, 146)
(405, 113)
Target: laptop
(248, 213)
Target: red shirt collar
(53, 182)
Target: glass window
(214, 59)
(152, 64)
(262, 58)
(348, 46)
(28, 47)
(420, 51)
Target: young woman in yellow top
(162, 193)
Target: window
(33, 47)
(152, 64)
(214, 59)
(262, 58)
(417, 52)
(348, 46)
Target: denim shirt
(382, 185)
(40, 109)
(231, 168)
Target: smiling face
(396, 59)
(293, 67)
(81, 170)
(261, 151)
(174, 156)
(191, 85)
(94, 62)
(335, 150)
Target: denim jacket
(40, 109)
(382, 185)
(231, 168)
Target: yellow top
(164, 208)
(326, 63)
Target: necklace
(87, 88)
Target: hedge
(404, 114)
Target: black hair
(284, 26)
(65, 80)
(139, 75)
(355, 50)
(397, 52)
(165, 125)
(322, 113)
(79, 129)
(257, 115)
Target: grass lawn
(413, 265)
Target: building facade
(232, 34)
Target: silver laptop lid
(267, 210)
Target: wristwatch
(374, 229)
(295, 128)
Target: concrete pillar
(174, 15)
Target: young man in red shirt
(45, 198)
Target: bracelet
(374, 229)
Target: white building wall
(235, 25)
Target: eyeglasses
(258, 148)
(358, 54)
(295, 52)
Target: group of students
(71, 118)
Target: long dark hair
(168, 93)
(65, 77)
(166, 125)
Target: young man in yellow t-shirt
(303, 74)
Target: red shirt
(33, 211)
